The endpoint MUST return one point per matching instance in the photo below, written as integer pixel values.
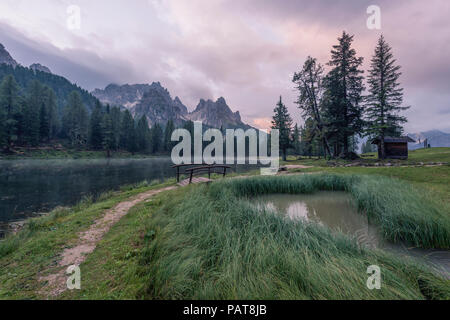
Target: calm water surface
(337, 211)
(28, 187)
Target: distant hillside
(5, 57)
(23, 76)
(60, 85)
(435, 138)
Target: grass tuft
(209, 243)
(402, 213)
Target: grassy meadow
(210, 242)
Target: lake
(28, 187)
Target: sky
(246, 51)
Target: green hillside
(60, 85)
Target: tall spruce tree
(9, 110)
(157, 138)
(168, 144)
(128, 133)
(143, 135)
(367, 147)
(2, 128)
(310, 85)
(31, 113)
(296, 141)
(108, 135)
(385, 98)
(95, 127)
(283, 122)
(344, 84)
(116, 119)
(308, 137)
(75, 121)
(52, 112)
(44, 122)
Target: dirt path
(87, 242)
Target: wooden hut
(395, 147)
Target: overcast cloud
(246, 51)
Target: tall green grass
(402, 213)
(207, 243)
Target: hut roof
(393, 140)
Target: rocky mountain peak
(6, 58)
(152, 100)
(39, 67)
(216, 114)
(155, 102)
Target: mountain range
(152, 100)
(155, 102)
(435, 138)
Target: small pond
(337, 211)
(334, 210)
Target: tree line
(336, 106)
(31, 118)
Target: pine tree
(52, 112)
(385, 98)
(2, 127)
(108, 136)
(116, 118)
(367, 147)
(44, 122)
(283, 122)
(308, 137)
(344, 85)
(157, 138)
(296, 143)
(310, 84)
(75, 121)
(128, 133)
(31, 113)
(9, 110)
(143, 135)
(95, 127)
(168, 144)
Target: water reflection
(337, 211)
(334, 210)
